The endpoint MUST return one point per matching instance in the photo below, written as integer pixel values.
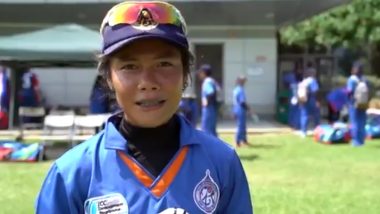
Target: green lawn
(286, 175)
(292, 175)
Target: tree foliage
(352, 25)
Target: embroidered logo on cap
(145, 20)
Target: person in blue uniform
(294, 78)
(336, 99)
(240, 110)
(4, 90)
(147, 159)
(99, 101)
(357, 116)
(188, 107)
(29, 94)
(309, 106)
(209, 100)
(4, 98)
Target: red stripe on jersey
(165, 181)
(161, 185)
(140, 174)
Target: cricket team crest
(206, 194)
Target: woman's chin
(150, 122)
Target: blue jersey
(98, 101)
(99, 176)
(337, 98)
(352, 83)
(238, 98)
(312, 89)
(209, 91)
(4, 91)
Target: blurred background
(264, 39)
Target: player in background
(293, 79)
(240, 111)
(336, 99)
(209, 94)
(356, 111)
(147, 159)
(99, 101)
(309, 104)
(30, 93)
(188, 107)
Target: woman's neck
(141, 135)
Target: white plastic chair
(58, 128)
(61, 112)
(91, 123)
(31, 113)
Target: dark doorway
(209, 54)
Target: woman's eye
(165, 64)
(129, 67)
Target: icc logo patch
(110, 204)
(206, 194)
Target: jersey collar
(113, 139)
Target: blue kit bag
(332, 133)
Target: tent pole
(12, 75)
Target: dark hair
(309, 64)
(206, 69)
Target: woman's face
(147, 77)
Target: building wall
(254, 57)
(257, 60)
(251, 51)
(66, 86)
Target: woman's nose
(148, 81)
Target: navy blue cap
(205, 68)
(116, 36)
(310, 71)
(358, 65)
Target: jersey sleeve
(53, 197)
(209, 88)
(242, 97)
(314, 87)
(351, 85)
(235, 198)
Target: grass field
(286, 175)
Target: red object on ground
(5, 153)
(3, 120)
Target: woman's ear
(109, 80)
(109, 83)
(184, 85)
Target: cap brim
(117, 46)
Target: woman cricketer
(147, 159)
(240, 110)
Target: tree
(354, 26)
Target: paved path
(262, 126)
(227, 127)
(54, 151)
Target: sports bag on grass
(330, 134)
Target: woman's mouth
(150, 104)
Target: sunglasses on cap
(144, 15)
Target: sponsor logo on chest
(108, 204)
